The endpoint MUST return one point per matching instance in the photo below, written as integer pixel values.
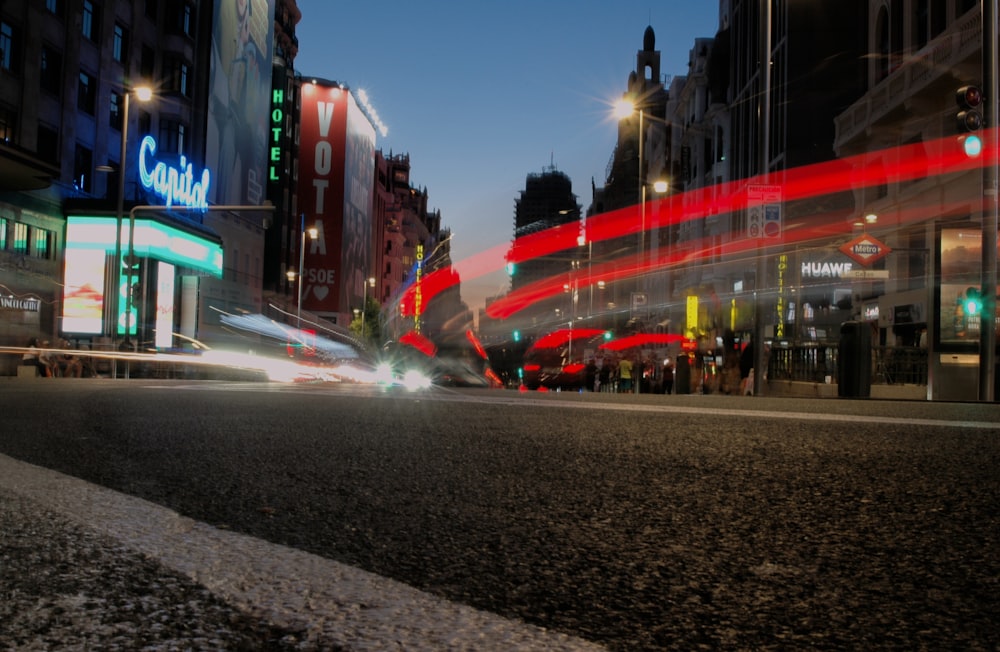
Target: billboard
(336, 177)
(240, 100)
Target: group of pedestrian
(50, 362)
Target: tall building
(89, 153)
(547, 201)
(934, 225)
(642, 157)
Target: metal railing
(813, 363)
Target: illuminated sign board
(277, 122)
(89, 243)
(418, 299)
(865, 249)
(692, 315)
(174, 185)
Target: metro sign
(865, 249)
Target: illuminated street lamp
(313, 234)
(623, 109)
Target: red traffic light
(969, 97)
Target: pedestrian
(604, 376)
(625, 375)
(668, 377)
(33, 357)
(70, 366)
(48, 360)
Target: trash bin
(682, 376)
(854, 360)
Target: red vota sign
(322, 137)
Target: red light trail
(940, 157)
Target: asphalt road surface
(633, 522)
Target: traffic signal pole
(987, 330)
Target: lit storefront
(155, 296)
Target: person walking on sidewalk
(625, 375)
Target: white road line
(521, 400)
(332, 602)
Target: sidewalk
(83, 567)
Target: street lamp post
(364, 303)
(313, 233)
(144, 94)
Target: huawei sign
(865, 249)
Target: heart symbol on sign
(321, 291)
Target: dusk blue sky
(482, 94)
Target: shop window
(42, 243)
(3, 233)
(20, 239)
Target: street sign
(865, 249)
(865, 273)
(764, 211)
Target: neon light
(172, 184)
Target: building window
(48, 144)
(172, 137)
(119, 46)
(54, 7)
(50, 74)
(85, 97)
(178, 75)
(20, 238)
(147, 62)
(117, 110)
(3, 234)
(8, 46)
(184, 19)
(88, 26)
(145, 122)
(8, 119)
(83, 163)
(43, 243)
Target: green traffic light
(972, 145)
(517, 336)
(608, 335)
(972, 307)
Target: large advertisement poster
(239, 102)
(360, 179)
(322, 135)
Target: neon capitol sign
(174, 185)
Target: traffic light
(969, 118)
(517, 335)
(973, 302)
(970, 102)
(608, 335)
